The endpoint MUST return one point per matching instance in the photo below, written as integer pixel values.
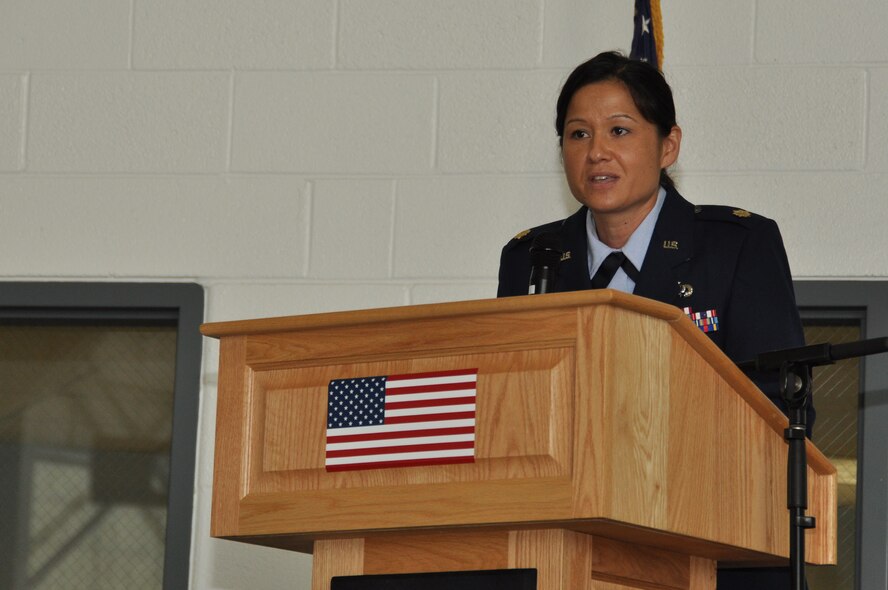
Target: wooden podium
(615, 447)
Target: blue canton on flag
(356, 402)
(644, 42)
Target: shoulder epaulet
(527, 235)
(723, 213)
(522, 234)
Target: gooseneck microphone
(545, 256)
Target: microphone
(545, 256)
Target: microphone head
(546, 250)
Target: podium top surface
(437, 310)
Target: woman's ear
(670, 146)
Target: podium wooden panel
(616, 446)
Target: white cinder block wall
(297, 156)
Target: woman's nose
(598, 149)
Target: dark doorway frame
(868, 300)
(182, 303)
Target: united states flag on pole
(647, 38)
(401, 420)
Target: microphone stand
(795, 366)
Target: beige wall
(297, 156)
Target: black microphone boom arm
(815, 355)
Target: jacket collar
(574, 271)
(669, 250)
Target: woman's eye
(618, 131)
(578, 134)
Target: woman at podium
(724, 266)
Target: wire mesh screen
(836, 390)
(85, 425)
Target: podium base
(515, 579)
(563, 559)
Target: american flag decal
(401, 420)
(705, 320)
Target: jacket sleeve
(762, 309)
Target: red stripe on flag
(400, 434)
(467, 444)
(405, 463)
(430, 388)
(428, 403)
(429, 417)
(435, 374)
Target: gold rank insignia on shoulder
(741, 213)
(670, 245)
(565, 256)
(521, 234)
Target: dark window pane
(836, 397)
(85, 426)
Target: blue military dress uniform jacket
(715, 259)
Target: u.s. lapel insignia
(565, 256)
(705, 320)
(685, 290)
(741, 213)
(670, 245)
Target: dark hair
(646, 84)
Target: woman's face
(613, 155)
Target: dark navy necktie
(608, 269)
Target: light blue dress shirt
(635, 249)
